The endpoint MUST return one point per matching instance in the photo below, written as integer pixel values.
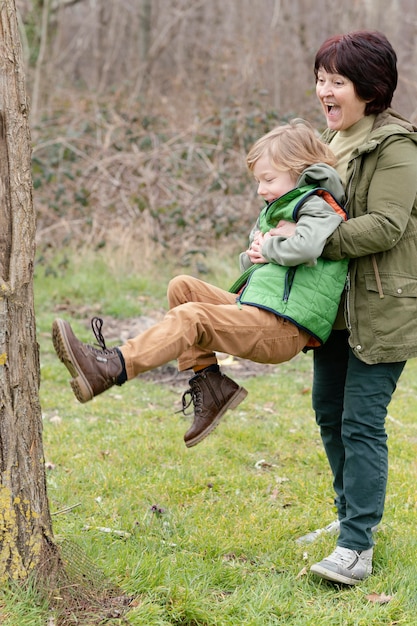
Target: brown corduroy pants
(204, 319)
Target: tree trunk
(25, 522)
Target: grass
(205, 536)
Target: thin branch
(66, 509)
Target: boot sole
(238, 397)
(79, 383)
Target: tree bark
(25, 522)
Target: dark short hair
(368, 60)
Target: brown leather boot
(212, 394)
(93, 370)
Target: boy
(286, 299)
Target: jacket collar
(386, 124)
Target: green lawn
(205, 536)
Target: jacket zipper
(350, 186)
(347, 309)
(348, 283)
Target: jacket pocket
(395, 285)
(393, 317)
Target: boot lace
(195, 399)
(103, 353)
(97, 325)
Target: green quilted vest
(308, 296)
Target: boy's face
(272, 183)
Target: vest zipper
(289, 279)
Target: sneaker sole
(238, 397)
(79, 383)
(334, 577)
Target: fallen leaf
(301, 573)
(263, 464)
(379, 598)
(228, 360)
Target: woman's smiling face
(341, 105)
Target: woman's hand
(283, 229)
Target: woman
(356, 371)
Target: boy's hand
(254, 252)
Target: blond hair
(291, 148)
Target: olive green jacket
(380, 239)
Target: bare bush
(112, 173)
(194, 56)
(142, 109)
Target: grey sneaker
(331, 529)
(345, 566)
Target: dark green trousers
(350, 399)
